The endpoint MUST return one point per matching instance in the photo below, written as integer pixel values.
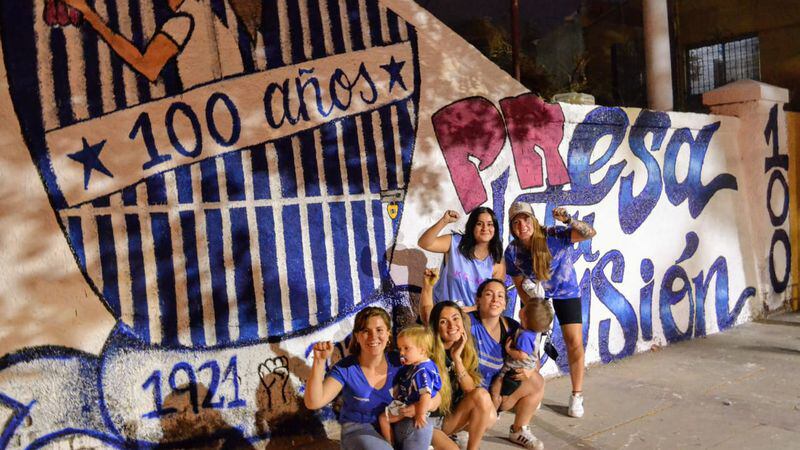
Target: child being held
(535, 317)
(417, 382)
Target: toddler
(535, 317)
(417, 382)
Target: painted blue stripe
(394, 26)
(283, 148)
(320, 257)
(156, 190)
(352, 155)
(270, 29)
(341, 256)
(141, 316)
(108, 263)
(91, 71)
(315, 27)
(406, 130)
(378, 210)
(308, 159)
(243, 275)
(234, 176)
(296, 274)
(296, 32)
(216, 258)
(363, 249)
(374, 23)
(19, 50)
(218, 8)
(209, 184)
(193, 284)
(371, 153)
(169, 74)
(337, 35)
(183, 178)
(129, 196)
(330, 158)
(387, 131)
(102, 202)
(60, 69)
(76, 240)
(137, 37)
(118, 82)
(269, 270)
(354, 17)
(245, 44)
(165, 278)
(258, 161)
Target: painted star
(89, 156)
(394, 68)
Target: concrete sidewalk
(736, 389)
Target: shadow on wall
(281, 412)
(204, 427)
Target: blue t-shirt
(461, 276)
(525, 341)
(361, 402)
(563, 282)
(413, 380)
(490, 352)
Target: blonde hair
(360, 324)
(423, 338)
(540, 253)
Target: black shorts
(568, 310)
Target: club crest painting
(234, 179)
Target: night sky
(543, 15)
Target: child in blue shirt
(535, 317)
(417, 383)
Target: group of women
(464, 311)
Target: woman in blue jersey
(364, 379)
(469, 258)
(544, 254)
(471, 406)
(491, 332)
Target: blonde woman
(544, 254)
(471, 407)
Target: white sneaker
(576, 406)
(525, 438)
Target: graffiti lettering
(183, 379)
(531, 122)
(777, 161)
(340, 89)
(144, 127)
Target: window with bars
(713, 65)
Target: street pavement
(739, 389)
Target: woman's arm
(320, 390)
(462, 375)
(581, 231)
(426, 296)
(430, 239)
(499, 270)
(523, 296)
(158, 52)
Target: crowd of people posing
(450, 376)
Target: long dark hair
(467, 245)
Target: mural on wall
(217, 168)
(235, 180)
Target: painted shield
(227, 189)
